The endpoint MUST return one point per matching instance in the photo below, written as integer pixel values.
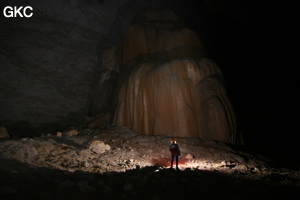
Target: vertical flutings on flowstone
(170, 87)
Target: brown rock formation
(157, 34)
(172, 89)
(3, 132)
(181, 98)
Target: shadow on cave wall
(23, 129)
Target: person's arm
(178, 150)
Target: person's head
(173, 140)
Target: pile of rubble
(119, 163)
(119, 149)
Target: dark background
(252, 41)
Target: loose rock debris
(117, 161)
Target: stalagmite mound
(172, 88)
(181, 98)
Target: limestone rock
(72, 132)
(181, 98)
(97, 121)
(157, 34)
(99, 147)
(172, 88)
(121, 149)
(85, 154)
(189, 157)
(48, 61)
(3, 132)
(59, 134)
(109, 58)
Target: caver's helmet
(173, 140)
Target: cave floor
(120, 164)
(21, 181)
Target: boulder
(97, 121)
(59, 134)
(189, 157)
(3, 132)
(99, 147)
(72, 132)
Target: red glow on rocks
(167, 161)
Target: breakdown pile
(117, 163)
(118, 149)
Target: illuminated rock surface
(118, 162)
(119, 149)
(172, 88)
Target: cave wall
(51, 64)
(47, 61)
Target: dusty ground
(117, 163)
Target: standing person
(175, 152)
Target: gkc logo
(15, 11)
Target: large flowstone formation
(171, 87)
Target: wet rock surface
(172, 88)
(118, 163)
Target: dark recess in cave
(249, 41)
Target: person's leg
(172, 159)
(176, 161)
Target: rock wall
(48, 61)
(157, 34)
(172, 88)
